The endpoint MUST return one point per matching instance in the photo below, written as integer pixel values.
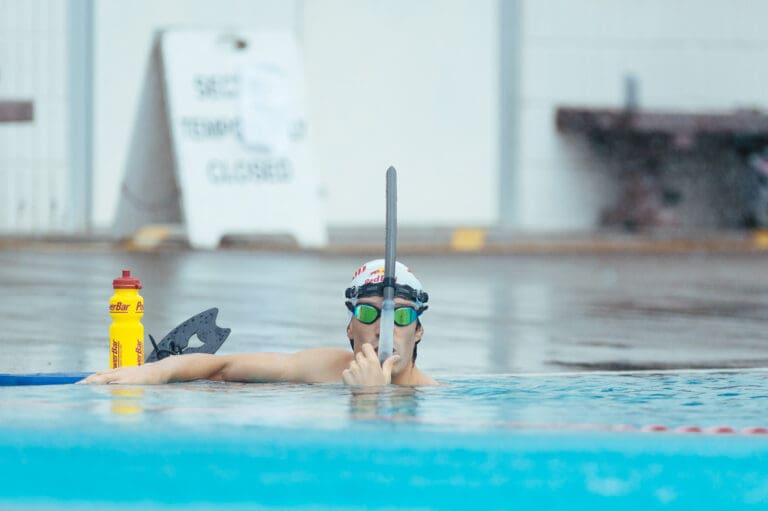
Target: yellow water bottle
(126, 334)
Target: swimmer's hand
(146, 374)
(366, 371)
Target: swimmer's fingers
(387, 367)
(94, 378)
(97, 377)
(365, 369)
(370, 353)
(354, 367)
(353, 375)
(107, 376)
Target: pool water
(490, 437)
(567, 441)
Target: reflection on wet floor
(488, 314)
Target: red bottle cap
(126, 281)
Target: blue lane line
(14, 380)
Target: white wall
(411, 84)
(687, 54)
(124, 32)
(416, 84)
(34, 165)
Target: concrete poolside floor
(663, 303)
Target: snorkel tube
(387, 323)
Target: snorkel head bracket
(417, 296)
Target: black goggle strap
(377, 289)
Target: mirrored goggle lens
(404, 316)
(367, 314)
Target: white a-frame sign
(235, 105)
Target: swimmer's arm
(310, 366)
(195, 366)
(320, 365)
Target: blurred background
(517, 127)
(544, 117)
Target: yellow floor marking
(468, 240)
(760, 238)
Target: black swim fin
(176, 342)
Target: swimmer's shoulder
(419, 378)
(427, 380)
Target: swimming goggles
(367, 314)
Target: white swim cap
(368, 280)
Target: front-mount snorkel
(387, 323)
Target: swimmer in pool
(320, 365)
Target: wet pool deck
(498, 304)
